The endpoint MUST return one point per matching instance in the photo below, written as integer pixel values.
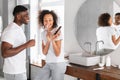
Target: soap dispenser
(108, 61)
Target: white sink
(104, 51)
(85, 60)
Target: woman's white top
(105, 34)
(117, 32)
(51, 57)
(117, 29)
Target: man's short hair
(117, 14)
(19, 9)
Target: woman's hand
(52, 37)
(55, 36)
(56, 44)
(49, 36)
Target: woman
(51, 47)
(106, 33)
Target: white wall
(34, 8)
(0, 7)
(115, 56)
(71, 8)
(11, 5)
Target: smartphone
(57, 30)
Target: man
(14, 45)
(116, 26)
(117, 19)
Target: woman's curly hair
(43, 13)
(104, 19)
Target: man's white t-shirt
(117, 29)
(105, 34)
(14, 35)
(51, 57)
(117, 32)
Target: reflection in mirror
(87, 22)
(105, 33)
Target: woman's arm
(56, 44)
(45, 48)
(57, 47)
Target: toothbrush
(100, 68)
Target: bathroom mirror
(86, 22)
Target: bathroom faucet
(96, 45)
(89, 43)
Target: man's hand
(31, 43)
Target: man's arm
(115, 41)
(8, 50)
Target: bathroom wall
(5, 13)
(0, 7)
(70, 42)
(115, 56)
